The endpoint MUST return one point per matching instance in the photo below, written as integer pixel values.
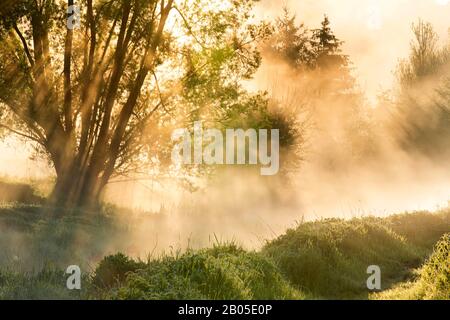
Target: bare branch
(25, 135)
(24, 44)
(189, 27)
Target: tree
(421, 115)
(425, 59)
(321, 79)
(88, 97)
(330, 61)
(291, 41)
(327, 46)
(316, 54)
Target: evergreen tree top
(325, 40)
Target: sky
(377, 33)
(16, 161)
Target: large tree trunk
(74, 189)
(78, 182)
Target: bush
(225, 272)
(113, 269)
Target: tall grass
(317, 260)
(222, 272)
(49, 283)
(432, 281)
(329, 258)
(34, 237)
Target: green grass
(223, 272)
(33, 237)
(329, 258)
(317, 260)
(47, 284)
(432, 280)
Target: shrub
(113, 269)
(225, 272)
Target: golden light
(442, 2)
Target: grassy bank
(223, 272)
(316, 260)
(432, 281)
(329, 258)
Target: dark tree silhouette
(330, 60)
(291, 41)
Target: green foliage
(421, 229)
(323, 259)
(329, 258)
(223, 272)
(291, 41)
(433, 279)
(435, 276)
(33, 237)
(49, 283)
(259, 112)
(224, 52)
(113, 270)
(110, 92)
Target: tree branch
(189, 27)
(67, 76)
(24, 44)
(127, 109)
(22, 134)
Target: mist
(331, 182)
(377, 33)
